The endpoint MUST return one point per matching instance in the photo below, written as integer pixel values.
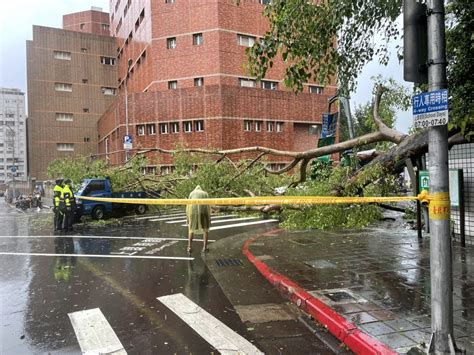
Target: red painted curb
(341, 328)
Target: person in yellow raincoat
(198, 218)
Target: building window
(247, 125)
(169, 1)
(164, 128)
(84, 50)
(107, 60)
(85, 81)
(313, 89)
(107, 91)
(87, 139)
(62, 116)
(149, 170)
(199, 126)
(246, 41)
(63, 87)
(171, 43)
(165, 170)
(174, 127)
(141, 129)
(197, 39)
(82, 26)
(85, 109)
(198, 81)
(65, 147)
(247, 83)
(62, 55)
(270, 126)
(187, 126)
(265, 2)
(172, 85)
(315, 130)
(151, 129)
(258, 126)
(279, 126)
(105, 26)
(269, 85)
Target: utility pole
(442, 337)
(13, 169)
(129, 63)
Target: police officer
(69, 202)
(57, 199)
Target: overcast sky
(18, 16)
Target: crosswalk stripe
(161, 216)
(126, 256)
(212, 218)
(216, 333)
(94, 333)
(243, 224)
(228, 220)
(167, 218)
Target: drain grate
(229, 262)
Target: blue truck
(98, 209)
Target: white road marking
(212, 218)
(228, 220)
(102, 256)
(100, 237)
(162, 215)
(216, 333)
(94, 333)
(167, 218)
(243, 224)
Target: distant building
(13, 154)
(182, 65)
(72, 80)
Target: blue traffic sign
(430, 108)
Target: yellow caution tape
(265, 200)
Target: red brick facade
(173, 44)
(91, 21)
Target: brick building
(72, 80)
(182, 64)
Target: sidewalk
(378, 279)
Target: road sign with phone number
(430, 109)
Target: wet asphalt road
(38, 291)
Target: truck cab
(95, 188)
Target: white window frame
(63, 87)
(164, 129)
(316, 89)
(247, 125)
(245, 41)
(279, 126)
(171, 43)
(273, 85)
(198, 82)
(107, 60)
(64, 116)
(140, 130)
(187, 126)
(198, 39)
(270, 126)
(172, 85)
(247, 83)
(65, 147)
(199, 126)
(62, 55)
(151, 129)
(174, 127)
(258, 126)
(108, 91)
(105, 26)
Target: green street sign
(423, 181)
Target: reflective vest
(57, 193)
(68, 195)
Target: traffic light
(415, 42)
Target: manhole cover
(320, 264)
(229, 262)
(339, 296)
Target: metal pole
(347, 111)
(126, 114)
(442, 338)
(13, 158)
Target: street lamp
(129, 64)
(13, 169)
